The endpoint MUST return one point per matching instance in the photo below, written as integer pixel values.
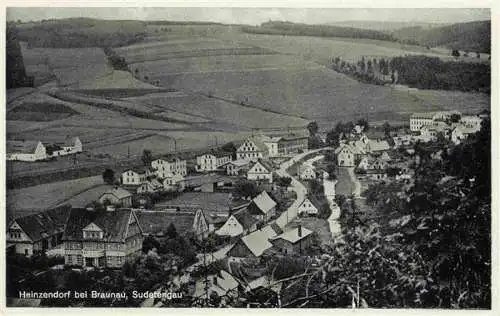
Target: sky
(255, 16)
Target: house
(164, 168)
(238, 223)
(237, 167)
(377, 174)
(250, 246)
(459, 134)
(378, 164)
(73, 145)
(471, 121)
(307, 172)
(286, 145)
(347, 154)
(364, 163)
(310, 206)
(212, 161)
(222, 283)
(293, 241)
(26, 150)
(101, 238)
(200, 223)
(418, 120)
(252, 148)
(136, 176)
(262, 207)
(150, 186)
(39, 232)
(260, 170)
(117, 196)
(173, 182)
(385, 157)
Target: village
(229, 215)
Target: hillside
(472, 36)
(385, 25)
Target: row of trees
(117, 62)
(420, 71)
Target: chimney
(299, 229)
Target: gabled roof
(240, 162)
(119, 193)
(226, 281)
(113, 223)
(70, 142)
(218, 154)
(44, 224)
(264, 164)
(258, 142)
(352, 148)
(154, 222)
(261, 204)
(245, 219)
(292, 235)
(257, 242)
(314, 201)
(25, 147)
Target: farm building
(212, 161)
(262, 207)
(260, 170)
(286, 145)
(101, 238)
(250, 246)
(252, 148)
(37, 232)
(136, 176)
(293, 241)
(310, 206)
(155, 223)
(26, 150)
(376, 145)
(117, 196)
(71, 146)
(163, 168)
(238, 223)
(237, 167)
(471, 121)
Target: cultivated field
(37, 198)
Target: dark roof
(154, 222)
(16, 146)
(113, 223)
(44, 224)
(245, 219)
(276, 228)
(264, 163)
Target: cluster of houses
(451, 124)
(28, 150)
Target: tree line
(419, 71)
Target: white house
(239, 223)
(173, 182)
(73, 145)
(164, 168)
(260, 170)
(262, 207)
(252, 148)
(378, 164)
(471, 121)
(236, 167)
(364, 163)
(150, 186)
(26, 150)
(459, 134)
(418, 120)
(310, 206)
(212, 161)
(136, 176)
(347, 154)
(307, 172)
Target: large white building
(165, 168)
(252, 148)
(212, 161)
(418, 120)
(136, 176)
(286, 145)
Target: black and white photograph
(246, 157)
